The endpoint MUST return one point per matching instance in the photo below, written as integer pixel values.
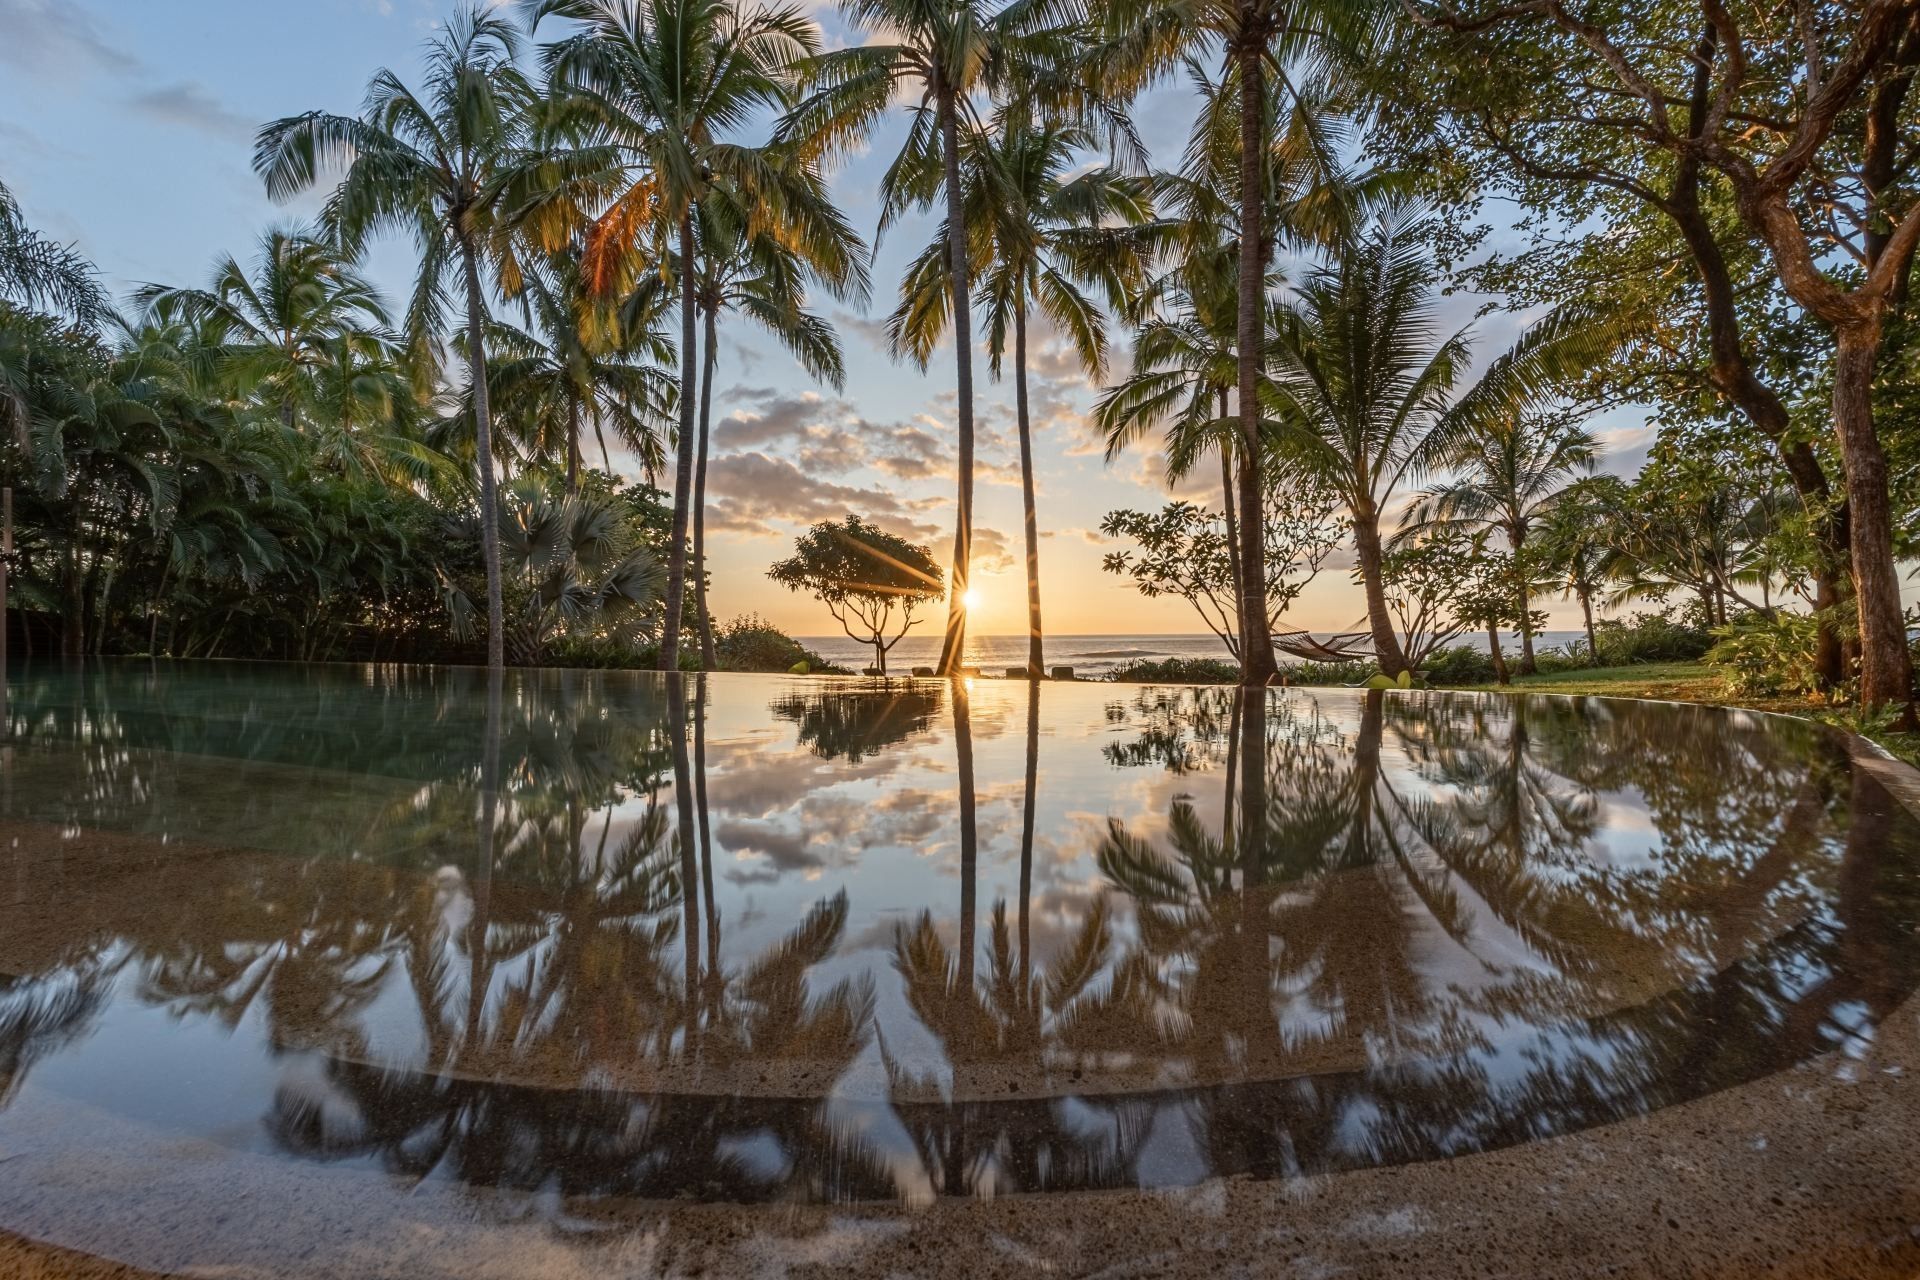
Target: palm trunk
(683, 464)
(1518, 536)
(1230, 506)
(1366, 542)
(953, 645)
(1500, 672)
(483, 445)
(1257, 665)
(1886, 667)
(1593, 642)
(709, 660)
(573, 444)
(1036, 658)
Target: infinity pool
(338, 971)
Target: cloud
(48, 38)
(193, 106)
(871, 331)
(752, 492)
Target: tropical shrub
(1758, 655)
(1649, 637)
(1461, 664)
(1176, 671)
(751, 643)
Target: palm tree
(1579, 540)
(1512, 474)
(1367, 391)
(1046, 237)
(37, 271)
(763, 276)
(1294, 43)
(670, 82)
(568, 369)
(461, 169)
(951, 51)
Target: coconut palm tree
(1511, 473)
(1579, 539)
(1045, 229)
(37, 271)
(949, 52)
(461, 167)
(763, 276)
(1368, 392)
(672, 82)
(567, 370)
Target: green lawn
(1668, 681)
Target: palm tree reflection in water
(1401, 927)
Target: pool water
(585, 938)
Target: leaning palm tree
(1048, 239)
(671, 83)
(1510, 473)
(461, 168)
(37, 271)
(950, 52)
(1579, 538)
(1368, 392)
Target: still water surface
(752, 939)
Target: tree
(1424, 581)
(1579, 540)
(461, 169)
(1512, 471)
(1369, 394)
(1183, 551)
(762, 275)
(1047, 232)
(869, 579)
(670, 82)
(951, 52)
(36, 271)
(1798, 113)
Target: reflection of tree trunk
(1026, 836)
(969, 833)
(1233, 760)
(478, 977)
(689, 868)
(706, 835)
(708, 659)
(1036, 658)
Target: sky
(126, 127)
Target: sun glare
(970, 600)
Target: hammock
(1346, 646)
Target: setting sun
(970, 600)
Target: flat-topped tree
(870, 580)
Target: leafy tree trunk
(953, 646)
(1500, 672)
(879, 656)
(709, 660)
(1036, 658)
(683, 464)
(1593, 642)
(1366, 542)
(483, 445)
(1886, 669)
(1257, 665)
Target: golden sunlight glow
(970, 600)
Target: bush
(1176, 671)
(1649, 637)
(1461, 664)
(1759, 655)
(751, 643)
(1329, 675)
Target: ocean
(1089, 656)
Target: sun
(969, 599)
